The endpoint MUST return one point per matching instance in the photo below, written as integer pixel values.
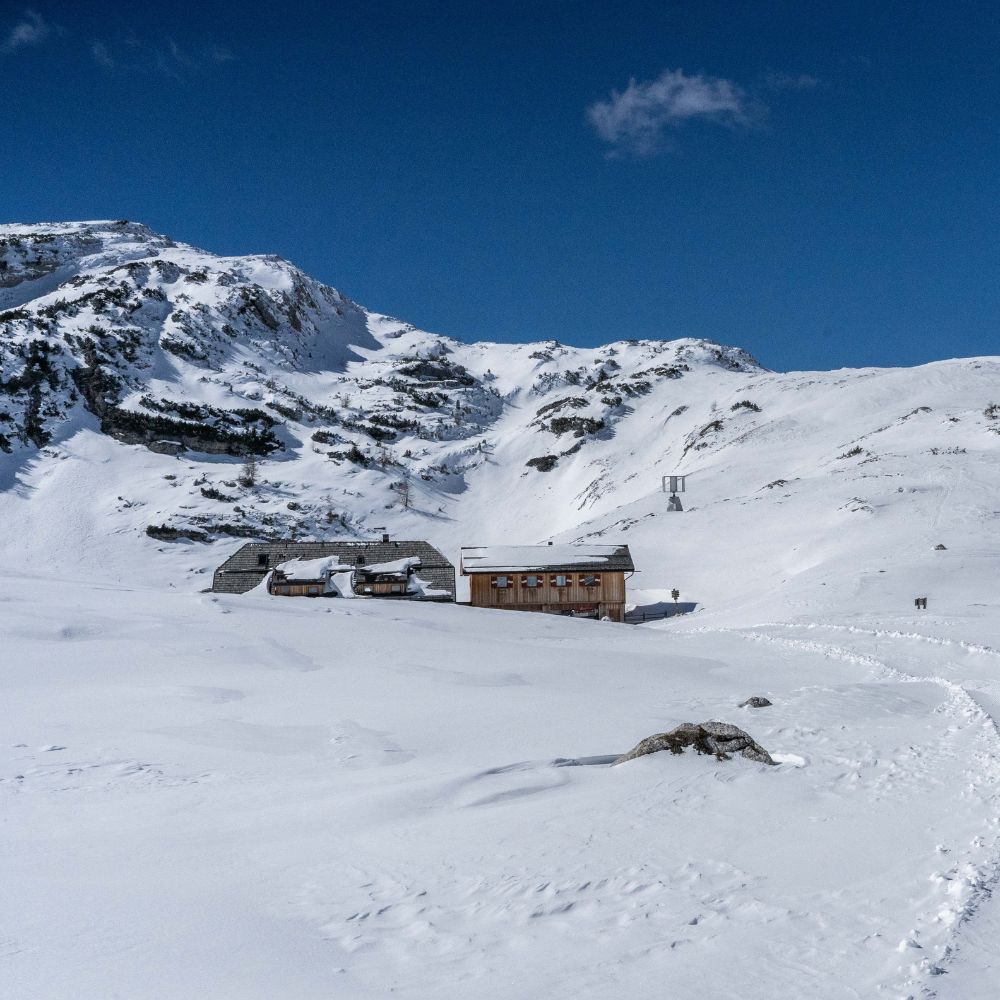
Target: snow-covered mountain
(248, 796)
(137, 374)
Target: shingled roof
(547, 558)
(243, 570)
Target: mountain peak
(137, 375)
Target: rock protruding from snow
(718, 738)
(755, 701)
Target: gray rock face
(720, 739)
(757, 701)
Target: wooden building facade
(296, 588)
(585, 581)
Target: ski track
(968, 647)
(972, 879)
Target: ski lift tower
(674, 485)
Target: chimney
(385, 538)
(550, 543)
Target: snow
(339, 580)
(423, 588)
(491, 558)
(341, 584)
(399, 566)
(252, 796)
(255, 813)
(312, 569)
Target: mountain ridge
(164, 367)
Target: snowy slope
(254, 797)
(110, 327)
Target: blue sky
(819, 186)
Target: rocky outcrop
(755, 701)
(183, 352)
(170, 436)
(720, 739)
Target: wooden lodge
(394, 569)
(585, 581)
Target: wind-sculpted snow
(256, 797)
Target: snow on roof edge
(514, 558)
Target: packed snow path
(949, 937)
(253, 797)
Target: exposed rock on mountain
(182, 352)
(137, 375)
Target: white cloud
(31, 30)
(636, 119)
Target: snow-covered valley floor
(249, 797)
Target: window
(360, 560)
(560, 580)
(531, 580)
(397, 588)
(263, 560)
(590, 580)
(500, 582)
(312, 591)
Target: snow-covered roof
(401, 566)
(515, 558)
(311, 569)
(249, 563)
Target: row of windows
(532, 580)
